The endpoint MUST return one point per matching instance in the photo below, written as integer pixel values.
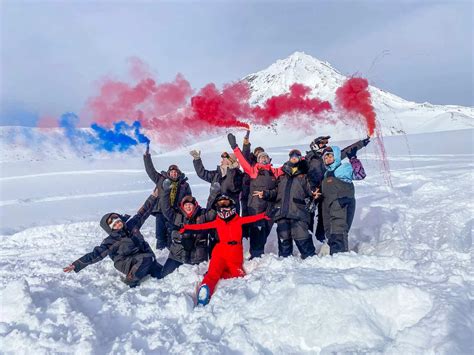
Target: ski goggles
(114, 221)
(295, 153)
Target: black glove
(352, 153)
(147, 151)
(232, 141)
(366, 141)
(167, 184)
(247, 134)
(273, 212)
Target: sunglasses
(225, 155)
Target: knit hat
(261, 155)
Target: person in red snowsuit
(263, 176)
(227, 257)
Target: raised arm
(150, 168)
(204, 174)
(246, 146)
(144, 211)
(357, 145)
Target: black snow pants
(293, 229)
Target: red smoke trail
(354, 96)
(171, 110)
(296, 101)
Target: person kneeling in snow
(188, 248)
(125, 245)
(227, 258)
(338, 196)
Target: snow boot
(204, 295)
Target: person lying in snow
(338, 196)
(227, 258)
(190, 247)
(125, 245)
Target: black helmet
(225, 207)
(320, 140)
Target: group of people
(311, 194)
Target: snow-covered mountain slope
(405, 288)
(395, 115)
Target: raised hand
(196, 154)
(232, 141)
(366, 141)
(258, 194)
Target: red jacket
(252, 170)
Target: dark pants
(141, 267)
(319, 233)
(163, 235)
(292, 229)
(258, 233)
(170, 266)
(338, 217)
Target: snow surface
(405, 288)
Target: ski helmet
(225, 207)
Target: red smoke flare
(354, 96)
(296, 101)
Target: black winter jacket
(183, 187)
(230, 184)
(292, 193)
(190, 247)
(124, 245)
(316, 165)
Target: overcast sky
(53, 52)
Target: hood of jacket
(337, 158)
(105, 226)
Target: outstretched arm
(255, 218)
(198, 227)
(94, 256)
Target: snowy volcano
(396, 115)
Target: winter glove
(147, 151)
(352, 153)
(196, 154)
(167, 184)
(246, 137)
(366, 141)
(272, 213)
(232, 141)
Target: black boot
(306, 247)
(336, 243)
(285, 247)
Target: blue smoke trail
(120, 138)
